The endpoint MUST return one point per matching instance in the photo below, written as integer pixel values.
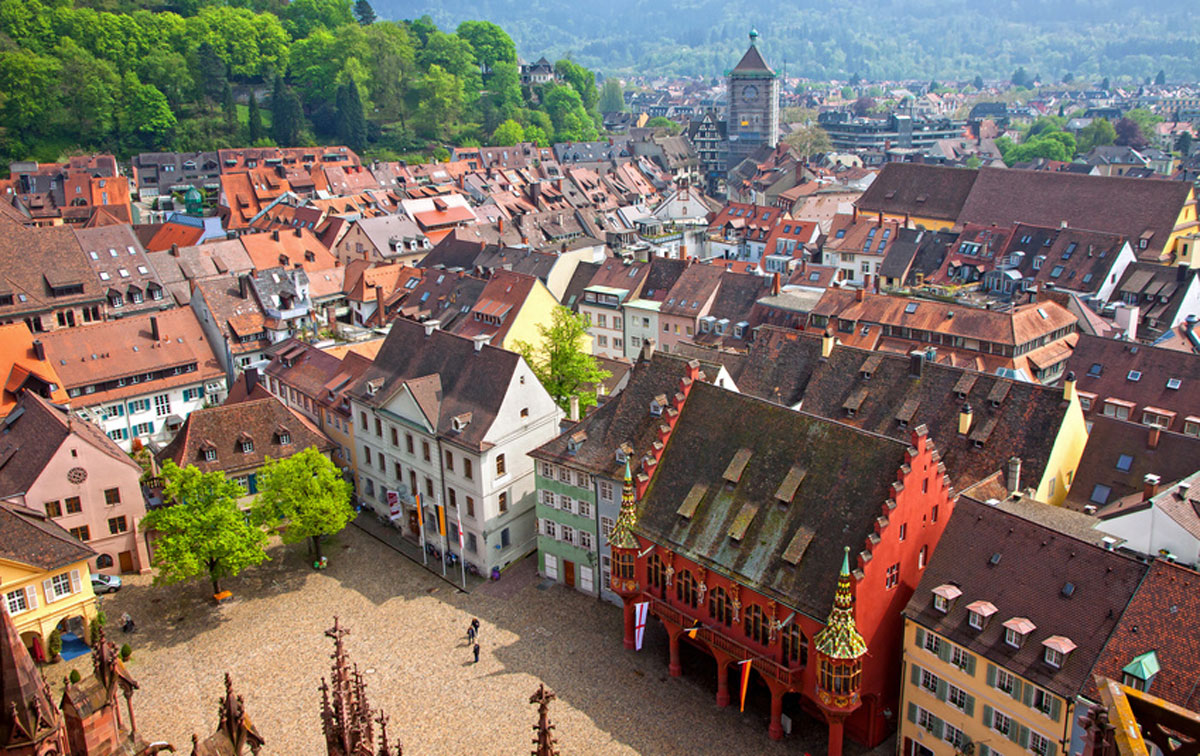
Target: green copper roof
(1143, 667)
(840, 638)
(622, 535)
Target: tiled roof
(1159, 290)
(19, 362)
(696, 286)
(502, 298)
(752, 61)
(1024, 569)
(1162, 617)
(920, 190)
(30, 537)
(1118, 457)
(33, 432)
(295, 247)
(235, 315)
(262, 422)
(1010, 418)
(33, 259)
(1148, 376)
(849, 478)
(471, 381)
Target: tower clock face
(750, 92)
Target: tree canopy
(202, 533)
(562, 362)
(308, 493)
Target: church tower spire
(622, 534)
(625, 547)
(29, 722)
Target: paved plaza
(408, 636)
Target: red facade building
(735, 528)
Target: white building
(137, 377)
(452, 420)
(1159, 523)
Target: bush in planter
(75, 676)
(97, 624)
(54, 645)
(126, 652)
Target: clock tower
(753, 105)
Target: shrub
(97, 624)
(74, 676)
(54, 644)
(126, 652)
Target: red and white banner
(640, 611)
(393, 501)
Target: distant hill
(881, 39)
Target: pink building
(54, 462)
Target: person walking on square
(476, 649)
(471, 633)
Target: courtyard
(408, 638)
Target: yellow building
(1066, 452)
(1002, 634)
(44, 577)
(508, 312)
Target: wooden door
(413, 526)
(569, 573)
(126, 560)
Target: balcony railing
(738, 651)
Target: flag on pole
(640, 610)
(695, 628)
(441, 519)
(421, 520)
(746, 665)
(458, 519)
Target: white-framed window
(1012, 637)
(959, 657)
(1005, 681)
(162, 405)
(549, 528)
(926, 719)
(975, 619)
(61, 585)
(21, 600)
(953, 736)
(929, 681)
(568, 534)
(1039, 743)
(548, 498)
(1054, 658)
(551, 566)
(585, 508)
(582, 480)
(586, 577)
(933, 643)
(606, 527)
(941, 604)
(1043, 701)
(585, 540)
(957, 697)
(566, 503)
(564, 475)
(606, 490)
(893, 576)
(1002, 723)
(210, 455)
(547, 470)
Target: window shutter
(31, 596)
(75, 587)
(48, 587)
(1052, 749)
(987, 715)
(944, 651)
(1024, 741)
(912, 712)
(969, 710)
(1029, 691)
(916, 675)
(984, 750)
(921, 637)
(941, 689)
(1014, 731)
(1017, 689)
(971, 664)
(1055, 708)
(939, 727)
(991, 675)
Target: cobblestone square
(408, 636)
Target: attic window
(458, 422)
(1057, 648)
(285, 438)
(247, 446)
(210, 455)
(1124, 462)
(944, 596)
(1134, 375)
(978, 614)
(1016, 630)
(658, 404)
(1140, 672)
(910, 308)
(1174, 383)
(1095, 370)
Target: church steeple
(27, 718)
(840, 638)
(840, 650)
(622, 535)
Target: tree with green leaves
(254, 125)
(978, 83)
(1020, 78)
(441, 100)
(1161, 78)
(661, 122)
(364, 12)
(1068, 78)
(202, 533)
(1104, 84)
(581, 80)
(1098, 133)
(229, 109)
(490, 43)
(809, 140)
(351, 123)
(287, 115)
(1183, 143)
(508, 133)
(208, 71)
(308, 494)
(612, 99)
(562, 362)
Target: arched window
(656, 574)
(104, 561)
(624, 565)
(795, 646)
(756, 626)
(685, 589)
(839, 676)
(719, 606)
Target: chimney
(480, 340)
(380, 310)
(275, 235)
(860, 295)
(573, 413)
(243, 285)
(431, 326)
(251, 380)
(964, 419)
(866, 282)
(174, 250)
(500, 224)
(1153, 436)
(39, 349)
(827, 344)
(154, 334)
(1182, 489)
(647, 351)
(1014, 473)
(776, 286)
(1069, 386)
(1151, 488)
(916, 362)
(298, 233)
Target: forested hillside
(130, 75)
(876, 38)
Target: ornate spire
(346, 715)
(622, 535)
(28, 717)
(839, 639)
(545, 741)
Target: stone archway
(35, 643)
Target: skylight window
(1134, 375)
(1124, 462)
(1095, 370)
(1055, 273)
(1174, 383)
(910, 308)
(1100, 494)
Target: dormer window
(658, 404)
(1016, 630)
(1056, 649)
(944, 597)
(1139, 674)
(285, 438)
(210, 455)
(247, 446)
(978, 614)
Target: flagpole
(442, 528)
(462, 549)
(421, 530)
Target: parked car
(102, 583)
